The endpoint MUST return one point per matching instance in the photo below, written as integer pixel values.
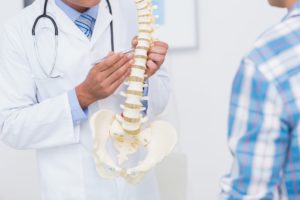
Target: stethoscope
(50, 74)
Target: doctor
(49, 90)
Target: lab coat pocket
(50, 87)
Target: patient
(264, 119)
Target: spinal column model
(125, 131)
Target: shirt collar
(74, 14)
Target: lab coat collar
(103, 21)
(65, 24)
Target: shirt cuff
(78, 114)
(146, 91)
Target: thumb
(134, 42)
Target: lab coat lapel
(64, 23)
(102, 23)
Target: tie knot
(85, 23)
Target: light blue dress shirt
(78, 114)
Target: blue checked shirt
(264, 118)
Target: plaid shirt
(264, 118)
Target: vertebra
(126, 130)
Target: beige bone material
(126, 130)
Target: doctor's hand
(156, 56)
(104, 78)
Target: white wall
(18, 172)
(202, 81)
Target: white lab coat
(35, 111)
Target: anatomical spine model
(126, 131)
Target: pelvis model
(125, 131)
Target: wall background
(201, 80)
(18, 171)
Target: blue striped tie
(85, 23)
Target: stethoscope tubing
(56, 33)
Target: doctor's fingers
(157, 58)
(160, 44)
(109, 61)
(158, 50)
(152, 67)
(118, 74)
(114, 86)
(125, 61)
